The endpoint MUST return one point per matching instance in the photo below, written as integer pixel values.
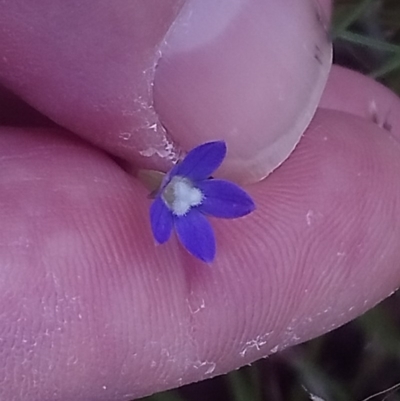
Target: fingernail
(249, 72)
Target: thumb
(223, 72)
(229, 71)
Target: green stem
(369, 42)
(351, 17)
(387, 68)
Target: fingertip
(232, 81)
(357, 94)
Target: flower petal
(224, 199)
(196, 235)
(201, 161)
(161, 220)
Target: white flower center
(180, 195)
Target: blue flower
(187, 194)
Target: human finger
(117, 73)
(94, 310)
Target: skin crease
(91, 309)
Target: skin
(90, 308)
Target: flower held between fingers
(188, 193)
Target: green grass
(363, 357)
(368, 31)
